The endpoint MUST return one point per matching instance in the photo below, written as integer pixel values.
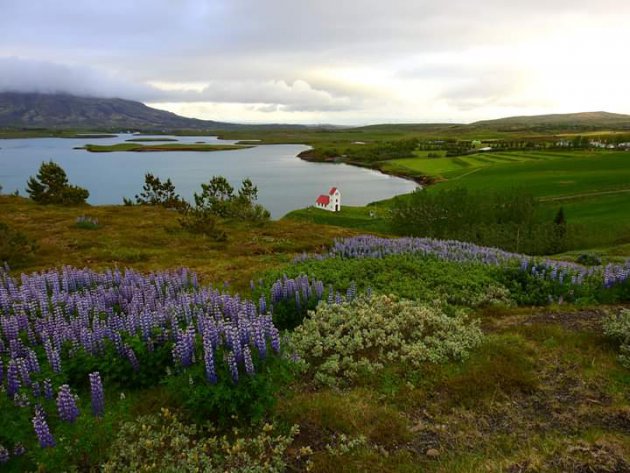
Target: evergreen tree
(51, 187)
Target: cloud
(411, 60)
(22, 75)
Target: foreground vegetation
(491, 378)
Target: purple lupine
(24, 372)
(249, 363)
(18, 450)
(48, 389)
(36, 389)
(231, 362)
(42, 430)
(13, 379)
(208, 358)
(4, 455)
(133, 359)
(97, 394)
(66, 404)
(53, 356)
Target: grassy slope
(149, 238)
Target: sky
(325, 61)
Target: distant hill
(62, 111)
(586, 121)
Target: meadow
(106, 364)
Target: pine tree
(51, 187)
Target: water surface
(284, 181)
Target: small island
(162, 147)
(148, 140)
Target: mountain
(62, 111)
(585, 121)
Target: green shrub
(51, 187)
(251, 398)
(15, 247)
(164, 444)
(617, 327)
(197, 220)
(415, 277)
(86, 222)
(340, 341)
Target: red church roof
(332, 190)
(323, 200)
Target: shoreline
(422, 181)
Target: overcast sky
(325, 61)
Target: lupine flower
(42, 430)
(97, 395)
(231, 362)
(48, 389)
(18, 450)
(13, 379)
(249, 363)
(66, 404)
(4, 455)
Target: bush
(617, 327)
(340, 341)
(15, 247)
(51, 187)
(87, 223)
(164, 443)
(589, 259)
(197, 220)
(251, 398)
(416, 277)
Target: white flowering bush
(162, 443)
(617, 327)
(339, 341)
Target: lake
(284, 181)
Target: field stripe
(585, 194)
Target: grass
(150, 238)
(554, 175)
(369, 219)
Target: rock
(433, 453)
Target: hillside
(62, 111)
(584, 121)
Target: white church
(330, 202)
